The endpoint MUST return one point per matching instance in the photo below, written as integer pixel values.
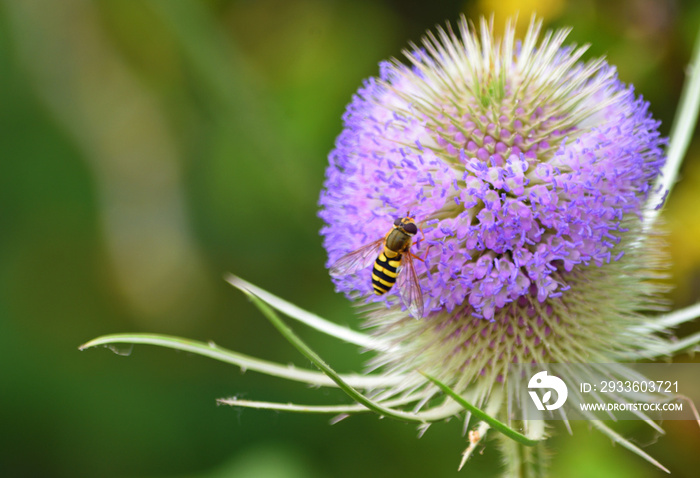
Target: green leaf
(481, 415)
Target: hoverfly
(392, 262)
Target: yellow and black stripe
(384, 271)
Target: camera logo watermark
(543, 381)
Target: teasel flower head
(528, 170)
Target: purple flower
(520, 162)
(528, 171)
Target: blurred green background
(148, 147)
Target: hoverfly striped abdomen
(385, 271)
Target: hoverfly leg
(422, 259)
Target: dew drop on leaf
(124, 350)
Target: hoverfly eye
(398, 220)
(410, 228)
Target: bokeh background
(148, 147)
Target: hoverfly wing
(357, 259)
(409, 288)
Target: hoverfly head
(407, 225)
